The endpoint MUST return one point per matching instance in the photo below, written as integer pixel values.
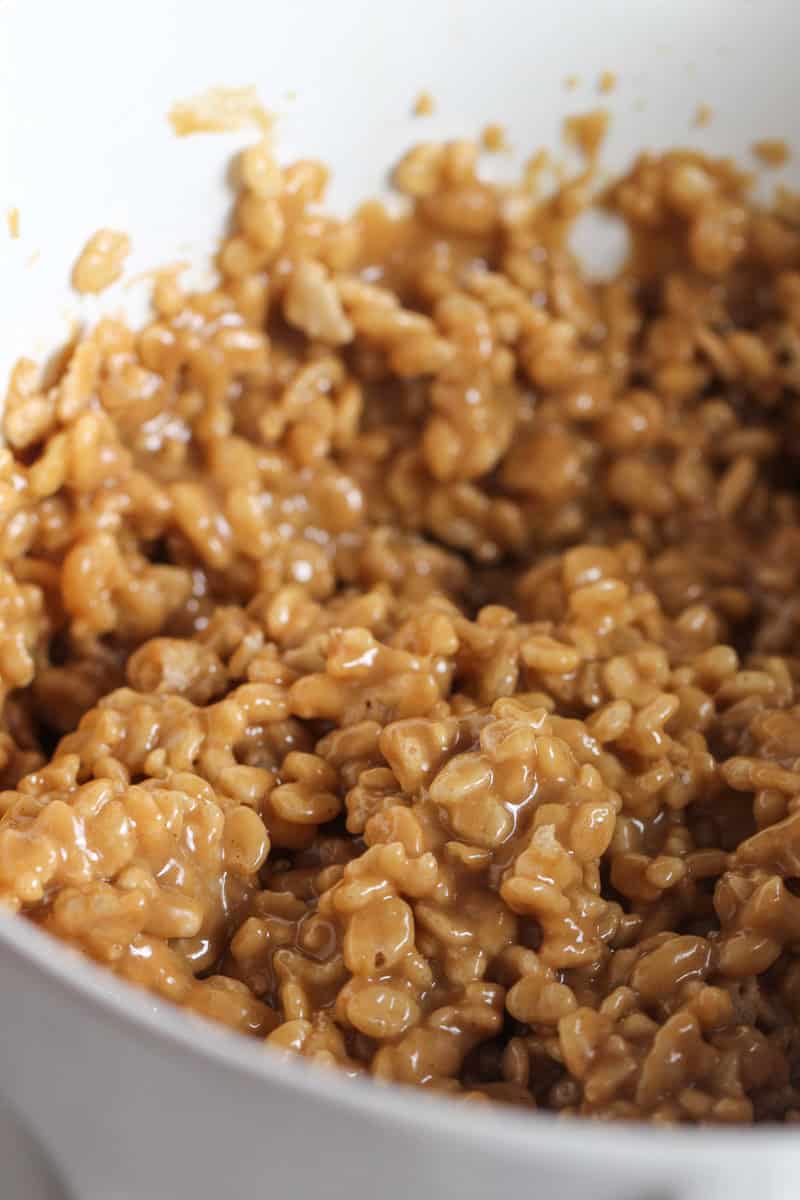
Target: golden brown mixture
(398, 643)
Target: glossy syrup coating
(398, 641)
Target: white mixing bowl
(119, 1097)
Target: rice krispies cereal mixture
(397, 642)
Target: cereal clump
(397, 642)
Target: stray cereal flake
(772, 152)
(101, 261)
(220, 110)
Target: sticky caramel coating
(397, 642)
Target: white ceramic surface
(131, 1100)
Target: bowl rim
(541, 1136)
